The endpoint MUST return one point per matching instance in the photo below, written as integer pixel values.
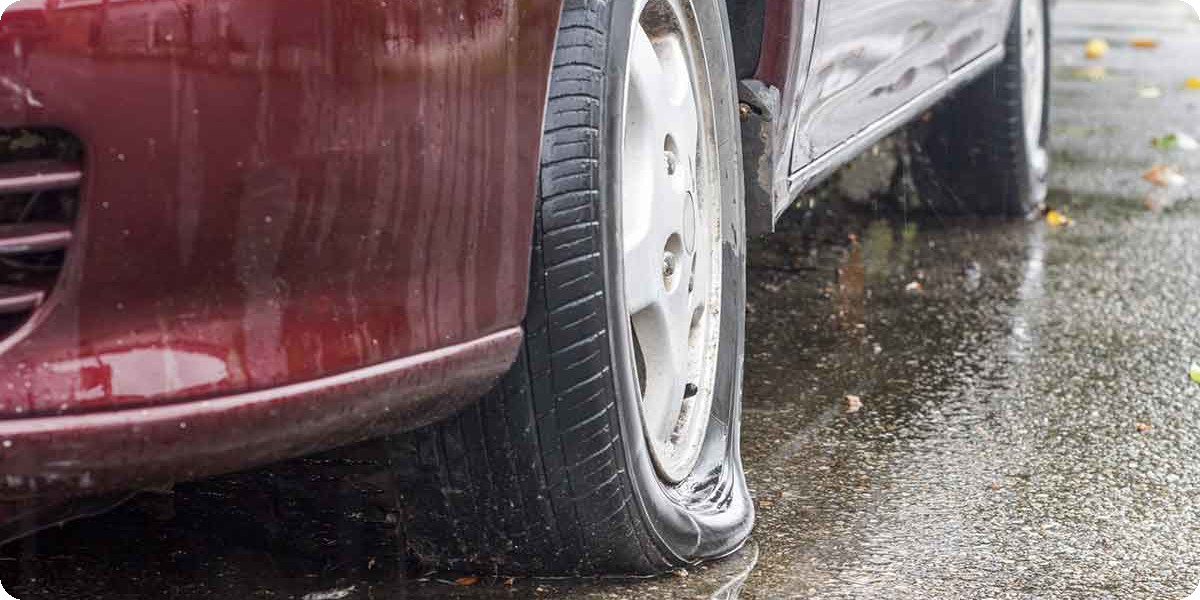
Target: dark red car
(237, 231)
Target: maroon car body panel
(47, 460)
(275, 191)
(303, 223)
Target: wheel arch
(747, 23)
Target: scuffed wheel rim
(671, 233)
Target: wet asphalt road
(1027, 428)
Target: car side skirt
(822, 167)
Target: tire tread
(532, 479)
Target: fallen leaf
(1164, 176)
(1165, 142)
(1055, 218)
(1095, 48)
(1143, 43)
(1149, 92)
(1144, 427)
(1171, 141)
(853, 403)
(468, 580)
(915, 287)
(1090, 73)
(1194, 372)
(1192, 83)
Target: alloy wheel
(671, 232)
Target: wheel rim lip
(674, 457)
(1033, 96)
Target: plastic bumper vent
(40, 174)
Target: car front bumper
(45, 461)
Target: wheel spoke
(662, 328)
(652, 235)
(647, 266)
(653, 198)
(679, 102)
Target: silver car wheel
(671, 232)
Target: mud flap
(758, 107)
